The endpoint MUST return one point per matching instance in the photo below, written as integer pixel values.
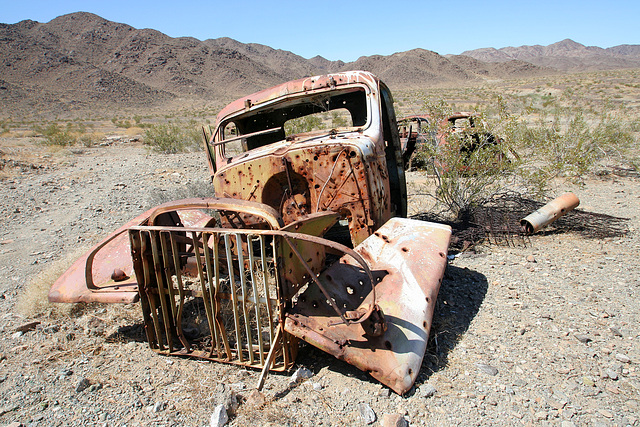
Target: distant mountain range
(565, 55)
(80, 62)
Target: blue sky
(350, 29)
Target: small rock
(605, 413)
(623, 358)
(394, 420)
(487, 369)
(588, 382)
(83, 384)
(316, 386)
(219, 417)
(367, 413)
(159, 406)
(531, 258)
(299, 375)
(427, 390)
(17, 334)
(541, 415)
(230, 402)
(612, 374)
(583, 338)
(27, 327)
(567, 424)
(255, 400)
(66, 373)
(615, 331)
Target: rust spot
(118, 275)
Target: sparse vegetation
(55, 135)
(171, 138)
(540, 140)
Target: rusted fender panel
(407, 258)
(89, 279)
(549, 213)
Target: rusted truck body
(305, 239)
(417, 130)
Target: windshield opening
(337, 109)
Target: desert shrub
(470, 168)
(55, 135)
(5, 126)
(469, 165)
(303, 124)
(171, 138)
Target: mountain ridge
(83, 61)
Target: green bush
(54, 135)
(469, 169)
(171, 138)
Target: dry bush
(33, 300)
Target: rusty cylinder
(549, 213)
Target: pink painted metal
(407, 259)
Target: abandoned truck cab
(326, 143)
(305, 240)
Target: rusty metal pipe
(549, 213)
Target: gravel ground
(542, 334)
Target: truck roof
(298, 86)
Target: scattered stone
(51, 329)
(612, 374)
(384, 392)
(615, 331)
(300, 375)
(394, 420)
(487, 369)
(219, 417)
(316, 386)
(17, 334)
(583, 338)
(27, 327)
(159, 406)
(367, 413)
(531, 258)
(7, 409)
(230, 401)
(588, 382)
(255, 400)
(83, 384)
(605, 413)
(623, 358)
(66, 373)
(428, 390)
(541, 415)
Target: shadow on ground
(461, 295)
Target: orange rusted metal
(301, 242)
(549, 213)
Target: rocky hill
(566, 55)
(82, 62)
